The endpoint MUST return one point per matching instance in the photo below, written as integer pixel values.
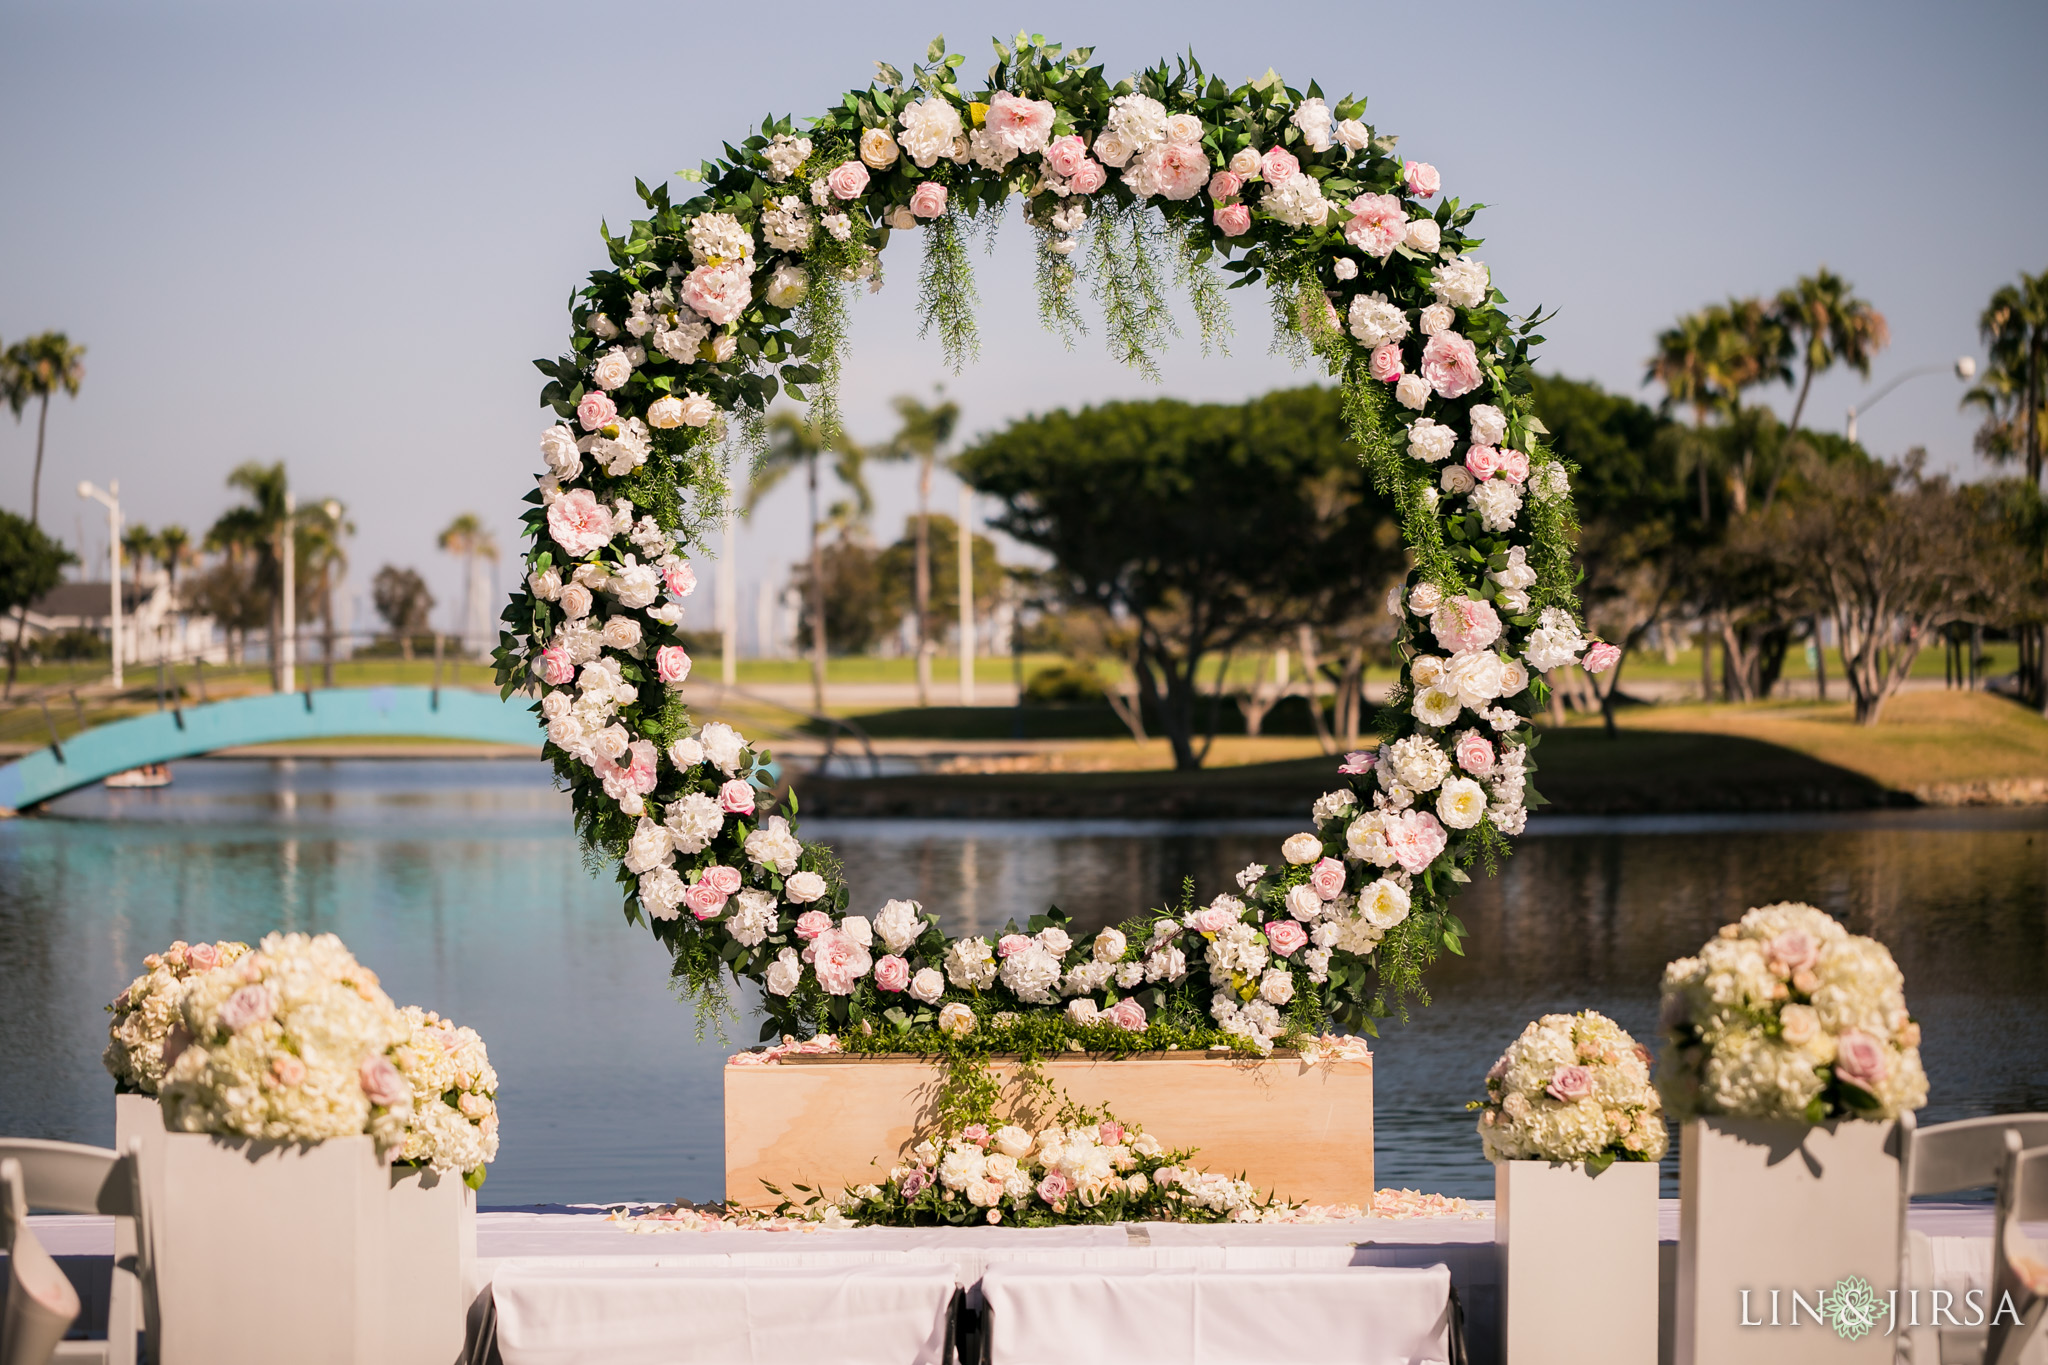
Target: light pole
(1964, 367)
(111, 499)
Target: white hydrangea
(1461, 282)
(787, 224)
(1314, 119)
(693, 821)
(753, 915)
(1498, 502)
(784, 155)
(1572, 1087)
(1297, 202)
(1416, 762)
(1489, 424)
(1429, 440)
(1548, 482)
(1135, 123)
(1555, 643)
(969, 963)
(1374, 321)
(661, 893)
(1033, 974)
(1330, 806)
(719, 239)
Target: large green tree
(923, 432)
(31, 562)
(1829, 325)
(1204, 526)
(32, 370)
(2013, 396)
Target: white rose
(784, 972)
(772, 845)
(1436, 707)
(1276, 987)
(1431, 441)
(1110, 945)
(1302, 849)
(697, 410)
(558, 448)
(621, 632)
(723, 745)
(665, 412)
(649, 848)
(612, 370)
(1513, 678)
(1424, 235)
(878, 149)
(1489, 425)
(804, 887)
(1458, 480)
(1461, 803)
(1346, 268)
(603, 327)
(1436, 318)
(546, 585)
(1353, 135)
(956, 1018)
(857, 928)
(1185, 129)
(686, 753)
(575, 601)
(1303, 903)
(927, 986)
(1412, 392)
(1082, 1010)
(1245, 163)
(788, 285)
(1428, 669)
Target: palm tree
(1829, 324)
(173, 546)
(323, 559)
(2014, 390)
(793, 441)
(1684, 365)
(923, 432)
(35, 368)
(259, 527)
(466, 536)
(1754, 348)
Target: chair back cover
(41, 1304)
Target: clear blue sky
(337, 234)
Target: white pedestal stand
(1578, 1262)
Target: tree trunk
(1820, 661)
(924, 580)
(1306, 640)
(1800, 406)
(817, 596)
(1706, 666)
(35, 504)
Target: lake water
(461, 885)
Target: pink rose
(672, 665)
(1173, 169)
(1109, 1133)
(636, 775)
(202, 957)
(1233, 220)
(1010, 944)
(1792, 951)
(1054, 1187)
(1417, 839)
(928, 200)
(1225, 184)
(1279, 166)
(1450, 365)
(1286, 937)
(175, 1043)
(976, 1133)
(1462, 623)
(1214, 920)
(578, 524)
(1064, 156)
(1483, 462)
(704, 899)
(1860, 1060)
(1475, 754)
(596, 410)
(1127, 1014)
(1327, 877)
(1019, 123)
(840, 961)
(249, 1005)
(721, 293)
(915, 1181)
(553, 666)
(1514, 466)
(1378, 224)
(1385, 362)
(679, 578)
(1600, 657)
(892, 973)
(812, 923)
(1358, 761)
(1090, 178)
(726, 879)
(737, 797)
(287, 1069)
(1422, 179)
(1570, 1083)
(848, 180)
(382, 1083)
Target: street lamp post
(111, 499)
(1964, 367)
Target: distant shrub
(1063, 683)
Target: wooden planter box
(1578, 1262)
(1773, 1206)
(833, 1122)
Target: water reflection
(461, 884)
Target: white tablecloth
(651, 1315)
(1057, 1315)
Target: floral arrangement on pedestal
(711, 307)
(454, 1126)
(146, 1010)
(1573, 1087)
(1787, 1015)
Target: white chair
(41, 1304)
(65, 1177)
(1943, 1159)
(2019, 1267)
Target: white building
(152, 626)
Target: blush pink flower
(1327, 877)
(1792, 951)
(1450, 365)
(915, 1181)
(892, 973)
(1278, 166)
(202, 957)
(720, 293)
(596, 410)
(1109, 1133)
(672, 665)
(175, 1043)
(847, 180)
(812, 923)
(679, 578)
(1462, 623)
(1089, 178)
(1601, 656)
(1286, 937)
(1064, 156)
(1385, 362)
(976, 1133)
(1569, 1083)
(1358, 761)
(704, 899)
(1860, 1060)
(249, 1005)
(1475, 754)
(726, 879)
(578, 524)
(737, 797)
(1214, 920)
(1417, 839)
(1019, 124)
(1514, 466)
(553, 666)
(287, 1069)
(1055, 1187)
(1225, 185)
(636, 775)
(840, 961)
(1233, 220)
(1421, 178)
(1378, 224)
(1172, 169)
(382, 1083)
(1011, 944)
(1127, 1014)
(1482, 462)
(928, 200)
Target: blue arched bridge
(103, 750)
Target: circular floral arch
(711, 307)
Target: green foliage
(31, 562)
(946, 296)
